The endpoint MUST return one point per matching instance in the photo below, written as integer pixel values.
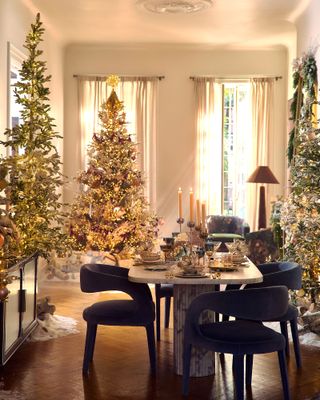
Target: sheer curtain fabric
(262, 99)
(209, 141)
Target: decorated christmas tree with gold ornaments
(111, 213)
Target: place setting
(151, 261)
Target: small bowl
(149, 256)
(238, 258)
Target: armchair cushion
(262, 246)
(223, 237)
(226, 224)
(118, 312)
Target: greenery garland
(300, 212)
(304, 96)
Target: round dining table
(185, 289)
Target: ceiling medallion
(175, 6)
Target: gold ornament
(113, 80)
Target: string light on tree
(33, 167)
(111, 214)
(300, 214)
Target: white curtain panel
(262, 99)
(139, 95)
(209, 141)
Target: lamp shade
(262, 174)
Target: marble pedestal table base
(202, 361)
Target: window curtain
(262, 100)
(139, 96)
(209, 141)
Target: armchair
(226, 228)
(242, 337)
(136, 312)
(288, 274)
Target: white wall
(15, 20)
(308, 31)
(176, 138)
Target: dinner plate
(159, 261)
(239, 260)
(155, 268)
(224, 269)
(182, 275)
(245, 264)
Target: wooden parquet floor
(52, 370)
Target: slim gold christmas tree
(32, 168)
(111, 213)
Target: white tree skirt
(52, 327)
(306, 338)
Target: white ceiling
(228, 24)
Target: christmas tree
(300, 215)
(33, 163)
(111, 213)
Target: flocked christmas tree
(300, 216)
(33, 164)
(111, 213)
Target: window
(235, 131)
(223, 144)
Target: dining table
(185, 289)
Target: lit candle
(90, 210)
(180, 203)
(204, 214)
(198, 212)
(191, 205)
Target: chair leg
(216, 314)
(186, 368)
(249, 364)
(158, 300)
(284, 331)
(152, 347)
(167, 312)
(296, 343)
(284, 374)
(89, 346)
(238, 371)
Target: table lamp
(262, 174)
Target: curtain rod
(160, 77)
(235, 78)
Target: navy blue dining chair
(163, 291)
(242, 337)
(288, 274)
(137, 311)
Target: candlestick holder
(198, 227)
(191, 225)
(203, 234)
(180, 221)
